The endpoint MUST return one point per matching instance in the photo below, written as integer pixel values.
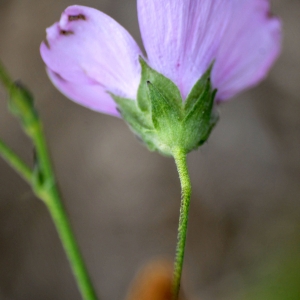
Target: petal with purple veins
(249, 48)
(182, 38)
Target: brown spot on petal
(77, 17)
(47, 43)
(66, 32)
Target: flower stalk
(47, 191)
(15, 162)
(42, 179)
(181, 163)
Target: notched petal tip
(71, 14)
(108, 62)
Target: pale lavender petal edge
(92, 96)
(182, 38)
(87, 48)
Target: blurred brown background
(123, 201)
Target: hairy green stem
(181, 163)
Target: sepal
(162, 120)
(21, 104)
(198, 89)
(139, 122)
(200, 116)
(162, 83)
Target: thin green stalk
(60, 218)
(181, 163)
(15, 162)
(42, 178)
(49, 194)
(67, 237)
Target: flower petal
(88, 48)
(252, 44)
(182, 38)
(90, 95)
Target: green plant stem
(181, 163)
(43, 181)
(49, 193)
(66, 235)
(15, 162)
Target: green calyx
(162, 119)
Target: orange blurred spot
(153, 282)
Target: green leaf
(199, 116)
(139, 122)
(202, 106)
(162, 84)
(165, 113)
(21, 104)
(131, 113)
(198, 89)
(205, 134)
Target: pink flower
(88, 54)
